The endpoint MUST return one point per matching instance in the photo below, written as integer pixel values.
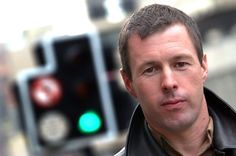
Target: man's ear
(128, 83)
(204, 67)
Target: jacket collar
(224, 119)
(140, 142)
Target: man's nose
(168, 82)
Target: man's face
(167, 78)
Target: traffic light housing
(66, 100)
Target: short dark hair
(151, 19)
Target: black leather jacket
(140, 143)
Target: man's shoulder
(121, 152)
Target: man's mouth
(173, 103)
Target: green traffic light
(89, 122)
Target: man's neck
(188, 141)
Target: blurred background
(60, 89)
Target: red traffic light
(46, 91)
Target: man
(164, 68)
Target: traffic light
(66, 100)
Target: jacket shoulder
(121, 152)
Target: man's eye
(150, 70)
(181, 65)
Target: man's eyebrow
(147, 63)
(182, 56)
